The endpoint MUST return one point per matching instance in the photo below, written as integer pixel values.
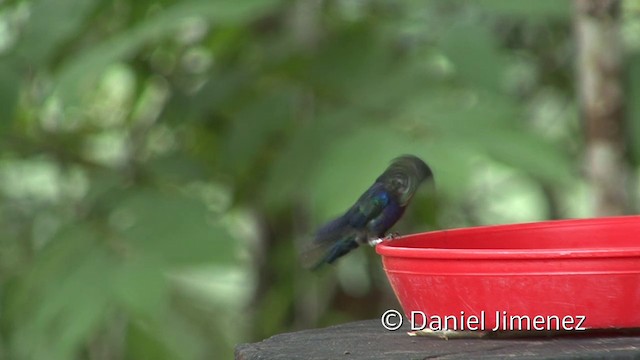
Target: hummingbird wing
(345, 233)
(315, 254)
(369, 206)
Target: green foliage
(91, 271)
(160, 161)
(78, 74)
(9, 91)
(543, 9)
(45, 33)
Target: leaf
(476, 56)
(86, 306)
(141, 287)
(539, 158)
(634, 106)
(173, 340)
(174, 228)
(68, 299)
(81, 71)
(539, 9)
(256, 125)
(511, 144)
(485, 124)
(51, 23)
(10, 84)
(142, 343)
(177, 168)
(348, 61)
(288, 176)
(53, 262)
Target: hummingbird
(375, 212)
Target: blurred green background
(161, 162)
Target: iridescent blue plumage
(375, 212)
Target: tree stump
(369, 340)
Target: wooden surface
(369, 340)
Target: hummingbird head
(404, 175)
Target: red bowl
(537, 276)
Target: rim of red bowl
(394, 248)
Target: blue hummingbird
(375, 212)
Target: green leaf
(68, 297)
(254, 129)
(81, 71)
(349, 61)
(475, 55)
(539, 9)
(294, 166)
(141, 287)
(10, 84)
(174, 340)
(536, 156)
(52, 262)
(486, 125)
(51, 23)
(174, 228)
(634, 106)
(142, 343)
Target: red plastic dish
(520, 277)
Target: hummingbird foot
(392, 236)
(388, 237)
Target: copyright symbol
(391, 320)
